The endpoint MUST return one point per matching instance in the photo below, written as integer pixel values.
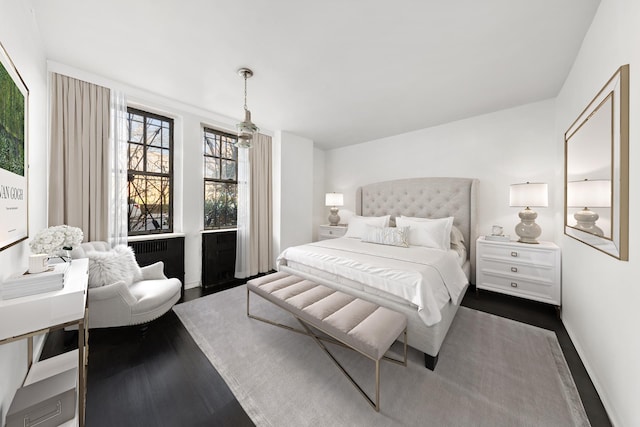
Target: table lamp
(589, 193)
(333, 200)
(526, 195)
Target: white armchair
(117, 304)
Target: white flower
(52, 239)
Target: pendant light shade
(246, 129)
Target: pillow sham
(357, 226)
(107, 267)
(392, 236)
(431, 233)
(457, 239)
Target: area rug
(492, 372)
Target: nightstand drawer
(519, 255)
(537, 290)
(518, 270)
(331, 231)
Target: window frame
(209, 129)
(170, 175)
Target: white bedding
(427, 278)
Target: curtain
(254, 252)
(243, 244)
(118, 218)
(79, 164)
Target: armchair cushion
(153, 271)
(107, 267)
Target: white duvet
(427, 278)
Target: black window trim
(205, 129)
(144, 113)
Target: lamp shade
(333, 199)
(594, 193)
(529, 194)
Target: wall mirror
(596, 196)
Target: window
(220, 179)
(150, 173)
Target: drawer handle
(514, 285)
(514, 269)
(514, 253)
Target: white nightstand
(331, 231)
(524, 270)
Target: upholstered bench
(352, 322)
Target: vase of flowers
(57, 241)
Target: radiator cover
(169, 250)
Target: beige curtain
(261, 229)
(79, 164)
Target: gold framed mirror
(596, 172)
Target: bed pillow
(107, 267)
(457, 242)
(392, 236)
(431, 233)
(357, 226)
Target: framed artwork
(14, 96)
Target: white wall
(501, 148)
(600, 293)
(320, 211)
(20, 38)
(293, 187)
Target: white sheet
(425, 277)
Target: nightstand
(524, 270)
(331, 231)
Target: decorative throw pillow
(392, 236)
(457, 242)
(107, 267)
(358, 224)
(431, 233)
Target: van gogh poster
(14, 217)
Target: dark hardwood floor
(157, 376)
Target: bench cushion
(363, 325)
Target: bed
(430, 309)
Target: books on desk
(30, 284)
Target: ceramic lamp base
(586, 221)
(527, 229)
(334, 218)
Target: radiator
(219, 259)
(170, 251)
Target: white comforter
(425, 277)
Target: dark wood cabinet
(169, 250)
(218, 259)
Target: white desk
(33, 315)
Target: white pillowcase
(108, 267)
(457, 242)
(358, 224)
(431, 233)
(392, 236)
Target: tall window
(220, 179)
(150, 173)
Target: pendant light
(246, 129)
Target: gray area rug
(492, 372)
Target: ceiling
(338, 72)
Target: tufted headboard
(426, 198)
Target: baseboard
(594, 379)
(191, 285)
